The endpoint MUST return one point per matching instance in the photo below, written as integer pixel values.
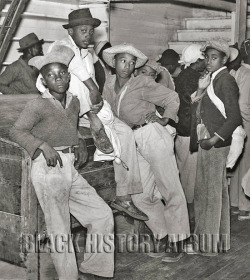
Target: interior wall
(150, 26)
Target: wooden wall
(149, 26)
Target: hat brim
(95, 22)
(109, 54)
(40, 41)
(211, 45)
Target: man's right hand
(51, 155)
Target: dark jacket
(226, 89)
(185, 84)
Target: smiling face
(146, 71)
(56, 77)
(214, 60)
(82, 35)
(124, 64)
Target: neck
(61, 97)
(26, 58)
(121, 81)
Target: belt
(68, 150)
(136, 126)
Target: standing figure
(237, 195)
(133, 100)
(47, 129)
(219, 115)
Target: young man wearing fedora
(19, 77)
(83, 85)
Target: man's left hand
(206, 144)
(81, 154)
(151, 117)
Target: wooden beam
(219, 4)
(240, 23)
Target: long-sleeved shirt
(18, 78)
(141, 95)
(45, 120)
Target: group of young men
(149, 189)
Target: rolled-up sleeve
(164, 97)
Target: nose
(126, 65)
(58, 77)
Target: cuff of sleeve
(219, 136)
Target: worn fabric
(166, 79)
(211, 200)
(41, 118)
(141, 97)
(160, 174)
(185, 85)
(18, 78)
(187, 165)
(227, 91)
(237, 195)
(61, 191)
(155, 155)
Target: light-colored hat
(28, 41)
(82, 17)
(233, 54)
(219, 45)
(109, 54)
(154, 65)
(58, 54)
(191, 54)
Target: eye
(123, 60)
(63, 72)
(50, 75)
(132, 62)
(91, 32)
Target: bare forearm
(94, 93)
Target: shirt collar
(217, 72)
(47, 94)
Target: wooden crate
(20, 213)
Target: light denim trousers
(62, 191)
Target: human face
(124, 64)
(147, 71)
(82, 35)
(200, 65)
(56, 77)
(214, 60)
(36, 50)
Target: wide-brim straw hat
(109, 54)
(58, 54)
(82, 17)
(154, 65)
(219, 45)
(28, 41)
(99, 45)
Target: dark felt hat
(81, 17)
(169, 57)
(28, 41)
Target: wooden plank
(240, 22)
(219, 4)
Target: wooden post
(240, 22)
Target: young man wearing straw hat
(47, 129)
(81, 29)
(133, 100)
(19, 77)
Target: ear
(43, 82)
(135, 72)
(70, 31)
(224, 60)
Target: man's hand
(204, 81)
(96, 108)
(151, 117)
(207, 144)
(81, 154)
(51, 155)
